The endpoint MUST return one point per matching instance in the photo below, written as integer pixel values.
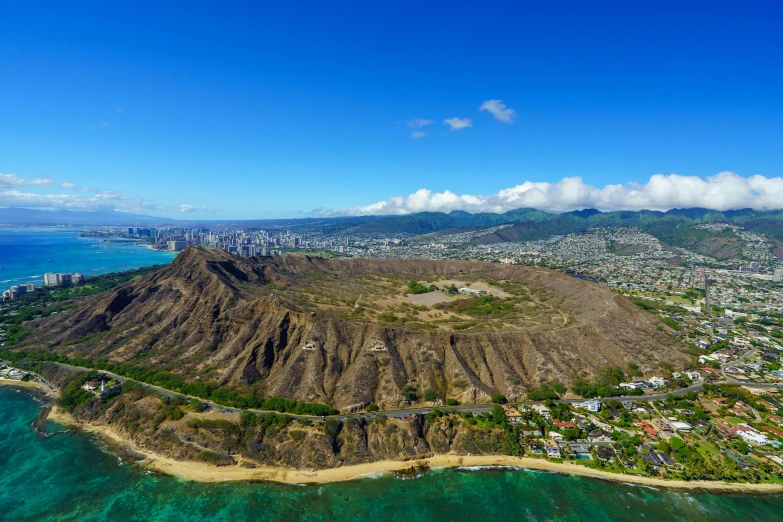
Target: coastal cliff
(176, 429)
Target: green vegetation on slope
(414, 287)
(233, 397)
(534, 224)
(483, 306)
(724, 244)
(45, 301)
(605, 384)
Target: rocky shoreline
(203, 472)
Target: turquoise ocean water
(70, 476)
(27, 253)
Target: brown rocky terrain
(143, 420)
(214, 317)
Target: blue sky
(265, 109)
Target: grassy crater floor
(428, 303)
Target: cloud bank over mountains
(724, 191)
(21, 192)
(99, 200)
(191, 208)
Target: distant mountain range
(528, 224)
(27, 216)
(676, 227)
(539, 224)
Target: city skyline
(284, 111)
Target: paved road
(744, 357)
(407, 412)
(481, 408)
(169, 393)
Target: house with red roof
(567, 425)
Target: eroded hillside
(260, 323)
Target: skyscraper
(707, 307)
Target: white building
(552, 450)
(52, 279)
(753, 436)
(473, 291)
(541, 409)
(681, 426)
(591, 405)
(657, 382)
(175, 245)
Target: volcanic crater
(349, 332)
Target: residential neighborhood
(13, 374)
(720, 423)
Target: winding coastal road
(408, 412)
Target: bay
(27, 253)
(72, 476)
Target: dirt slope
(212, 316)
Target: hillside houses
(11, 373)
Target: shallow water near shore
(72, 476)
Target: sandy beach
(202, 472)
(29, 384)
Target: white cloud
(458, 123)
(417, 123)
(723, 191)
(418, 134)
(75, 198)
(12, 180)
(499, 110)
(191, 208)
(104, 200)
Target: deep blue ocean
(27, 253)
